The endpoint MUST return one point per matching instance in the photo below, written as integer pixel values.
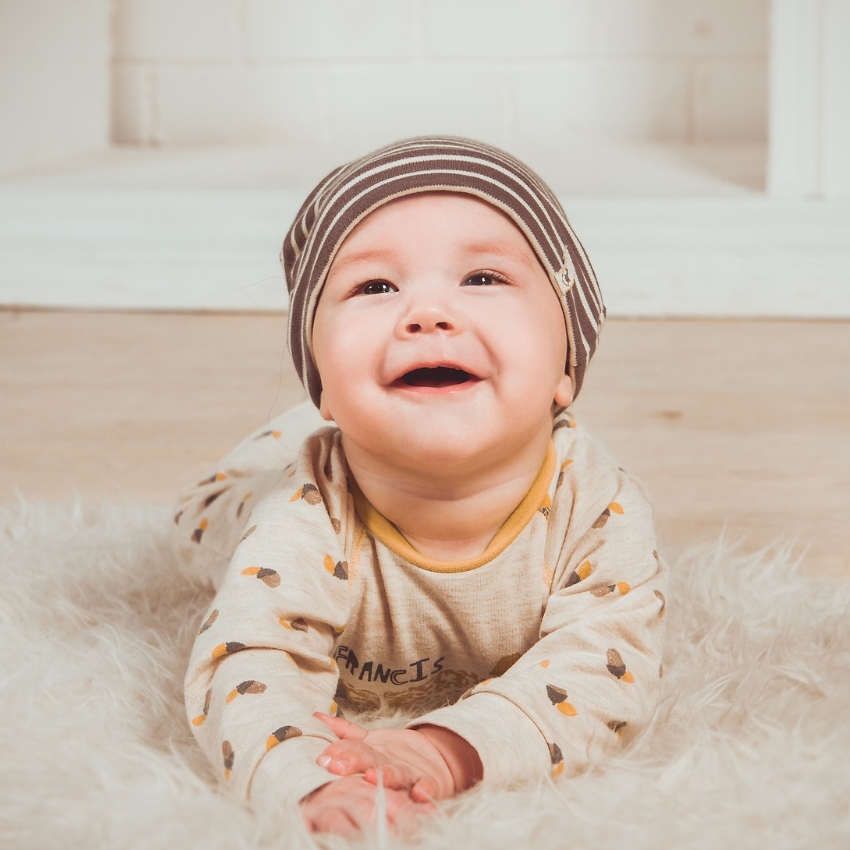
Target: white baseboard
(726, 257)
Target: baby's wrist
(461, 758)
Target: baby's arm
(262, 663)
(592, 679)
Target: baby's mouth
(436, 376)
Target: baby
(453, 545)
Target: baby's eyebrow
(500, 250)
(359, 257)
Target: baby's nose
(427, 320)
(419, 327)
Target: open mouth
(436, 376)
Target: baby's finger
(336, 822)
(390, 776)
(406, 824)
(342, 728)
(424, 791)
(404, 816)
(344, 759)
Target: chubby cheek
(345, 360)
(532, 350)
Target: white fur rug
(750, 747)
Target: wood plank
(742, 425)
(737, 425)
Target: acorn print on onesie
(284, 733)
(558, 698)
(200, 718)
(309, 493)
(621, 587)
(557, 758)
(613, 508)
(229, 757)
(228, 648)
(198, 533)
(267, 576)
(241, 505)
(338, 569)
(617, 667)
(580, 573)
(250, 686)
(209, 621)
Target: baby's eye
(484, 279)
(377, 287)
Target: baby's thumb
(344, 729)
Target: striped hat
(437, 164)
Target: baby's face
(438, 336)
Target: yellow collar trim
(382, 529)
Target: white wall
(54, 80)
(536, 71)
(810, 99)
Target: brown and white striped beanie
(437, 164)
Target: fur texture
(749, 748)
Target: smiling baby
(451, 544)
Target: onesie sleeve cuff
(511, 747)
(288, 773)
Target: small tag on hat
(566, 276)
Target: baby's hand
(431, 762)
(348, 805)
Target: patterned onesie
(543, 652)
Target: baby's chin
(422, 448)
(443, 447)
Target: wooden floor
(735, 425)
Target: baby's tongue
(440, 376)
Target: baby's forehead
(438, 199)
(457, 218)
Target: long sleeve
(591, 680)
(262, 662)
(210, 516)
